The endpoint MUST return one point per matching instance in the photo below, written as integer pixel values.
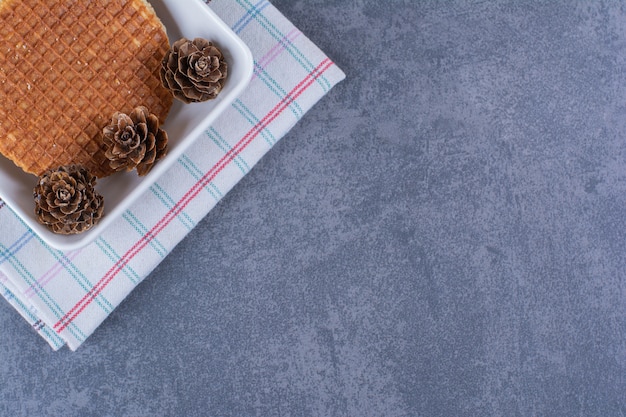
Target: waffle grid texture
(65, 68)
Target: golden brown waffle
(65, 67)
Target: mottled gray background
(443, 235)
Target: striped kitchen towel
(66, 295)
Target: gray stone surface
(443, 235)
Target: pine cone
(134, 141)
(66, 201)
(194, 70)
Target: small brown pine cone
(66, 201)
(194, 70)
(134, 141)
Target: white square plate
(185, 123)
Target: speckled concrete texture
(443, 235)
